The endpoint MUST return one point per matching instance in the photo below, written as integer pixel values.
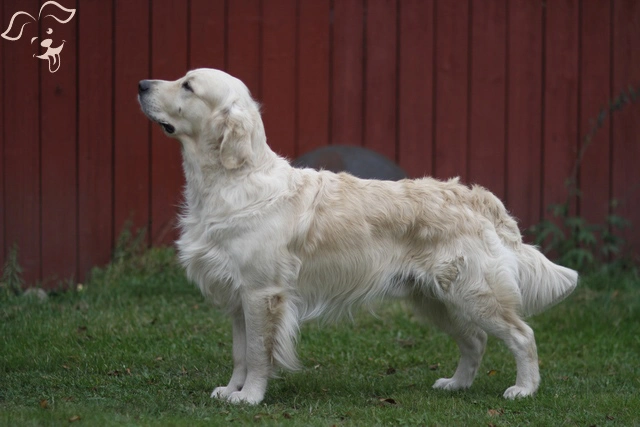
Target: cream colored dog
(275, 245)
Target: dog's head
(208, 108)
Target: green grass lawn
(138, 346)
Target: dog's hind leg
(500, 318)
(471, 341)
(519, 338)
(239, 358)
(271, 329)
(494, 307)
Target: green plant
(571, 239)
(132, 255)
(128, 245)
(12, 282)
(575, 242)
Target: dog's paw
(221, 393)
(450, 384)
(245, 397)
(515, 392)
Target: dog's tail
(542, 283)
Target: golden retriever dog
(275, 245)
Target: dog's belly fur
(333, 283)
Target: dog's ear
(235, 149)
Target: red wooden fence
(499, 92)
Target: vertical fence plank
(524, 106)
(452, 66)
(415, 88)
(381, 77)
(561, 99)
(3, 166)
(58, 153)
(168, 62)
(347, 72)
(487, 123)
(626, 126)
(243, 46)
(207, 34)
(313, 86)
(22, 142)
(279, 75)
(131, 128)
(595, 78)
(95, 134)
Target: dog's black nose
(144, 86)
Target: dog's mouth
(167, 127)
(154, 115)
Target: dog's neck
(220, 192)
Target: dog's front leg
(239, 358)
(258, 363)
(271, 326)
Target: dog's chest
(207, 260)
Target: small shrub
(570, 239)
(128, 245)
(12, 282)
(578, 244)
(132, 255)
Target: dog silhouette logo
(49, 9)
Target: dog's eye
(187, 86)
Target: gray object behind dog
(358, 161)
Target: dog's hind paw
(516, 392)
(450, 384)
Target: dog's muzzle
(144, 87)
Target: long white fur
(274, 245)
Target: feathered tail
(542, 283)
